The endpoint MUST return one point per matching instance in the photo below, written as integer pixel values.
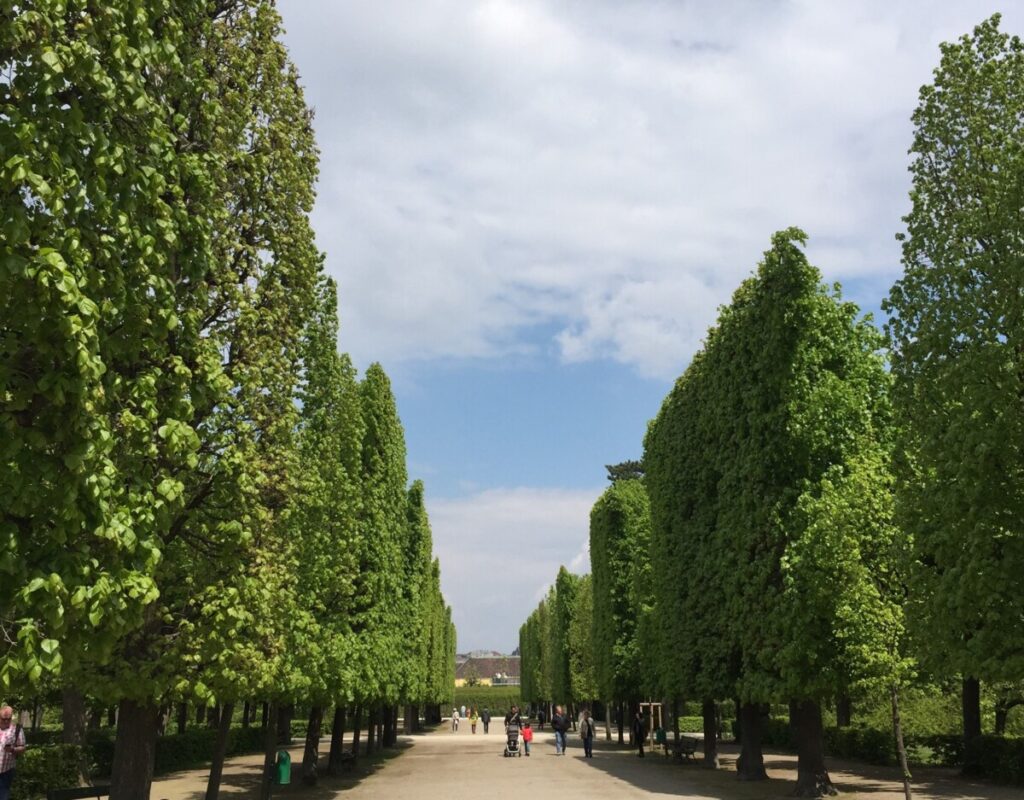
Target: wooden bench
(79, 793)
(685, 747)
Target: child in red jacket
(527, 737)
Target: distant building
(487, 669)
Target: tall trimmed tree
(957, 333)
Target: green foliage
(44, 768)
(956, 329)
(774, 558)
(558, 645)
(620, 526)
(378, 661)
(499, 699)
(582, 666)
(554, 646)
(203, 501)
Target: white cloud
(500, 549)
(609, 171)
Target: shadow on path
(244, 780)
(687, 778)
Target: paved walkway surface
(442, 765)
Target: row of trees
(201, 501)
(824, 514)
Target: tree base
(754, 772)
(814, 784)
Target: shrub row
(46, 767)
(998, 758)
(55, 766)
(496, 698)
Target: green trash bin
(283, 768)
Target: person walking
(12, 745)
(639, 733)
(513, 717)
(527, 737)
(587, 734)
(541, 718)
(474, 718)
(455, 720)
(485, 718)
(560, 724)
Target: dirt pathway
(446, 766)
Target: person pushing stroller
(513, 727)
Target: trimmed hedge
(1000, 758)
(496, 698)
(174, 752)
(43, 768)
(691, 724)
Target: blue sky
(533, 210)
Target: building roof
(488, 667)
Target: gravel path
(449, 766)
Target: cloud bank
(500, 549)
(603, 172)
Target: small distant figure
(455, 720)
(485, 718)
(560, 724)
(541, 717)
(639, 733)
(474, 718)
(527, 737)
(462, 711)
(587, 734)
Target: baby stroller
(512, 741)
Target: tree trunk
(901, 749)
(264, 721)
(112, 716)
(972, 708)
(675, 723)
(357, 724)
(710, 734)
(622, 721)
(337, 741)
(410, 716)
(750, 765)
(844, 711)
(200, 714)
(311, 755)
(608, 721)
(37, 715)
(388, 727)
(972, 724)
(371, 729)
(246, 711)
(182, 721)
(220, 748)
(132, 773)
(73, 716)
(812, 778)
(284, 723)
(95, 718)
(269, 749)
